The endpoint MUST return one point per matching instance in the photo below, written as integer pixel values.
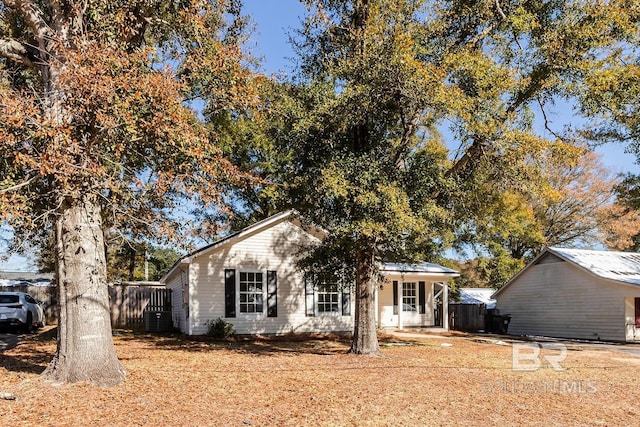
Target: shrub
(219, 328)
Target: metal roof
(25, 275)
(423, 267)
(619, 266)
(12, 278)
(477, 296)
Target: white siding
(176, 282)
(559, 299)
(385, 301)
(271, 248)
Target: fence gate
(129, 303)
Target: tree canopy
(404, 115)
(409, 127)
(98, 138)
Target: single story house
(250, 279)
(574, 293)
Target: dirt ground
(453, 380)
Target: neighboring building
(478, 296)
(250, 279)
(21, 278)
(572, 293)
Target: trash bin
(502, 323)
(495, 322)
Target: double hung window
(251, 292)
(409, 297)
(328, 298)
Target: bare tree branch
(500, 11)
(18, 186)
(15, 51)
(33, 17)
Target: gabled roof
(260, 225)
(389, 268)
(423, 267)
(623, 267)
(620, 266)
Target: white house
(572, 293)
(250, 279)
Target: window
(328, 298)
(9, 299)
(251, 292)
(409, 297)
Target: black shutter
(421, 298)
(395, 297)
(272, 294)
(229, 293)
(346, 301)
(309, 298)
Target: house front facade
(250, 279)
(413, 295)
(574, 293)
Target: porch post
(400, 305)
(445, 306)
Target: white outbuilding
(575, 293)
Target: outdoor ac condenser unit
(157, 321)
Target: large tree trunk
(85, 349)
(365, 338)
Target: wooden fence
(467, 317)
(127, 302)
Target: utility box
(157, 321)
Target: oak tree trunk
(85, 350)
(365, 338)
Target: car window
(8, 299)
(30, 299)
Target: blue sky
(275, 18)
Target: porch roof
(420, 268)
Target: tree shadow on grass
(28, 356)
(318, 344)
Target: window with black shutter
(272, 294)
(229, 293)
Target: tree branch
(32, 16)
(41, 30)
(18, 186)
(15, 51)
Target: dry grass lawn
(173, 381)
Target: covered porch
(410, 296)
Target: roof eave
(188, 259)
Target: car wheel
(28, 327)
